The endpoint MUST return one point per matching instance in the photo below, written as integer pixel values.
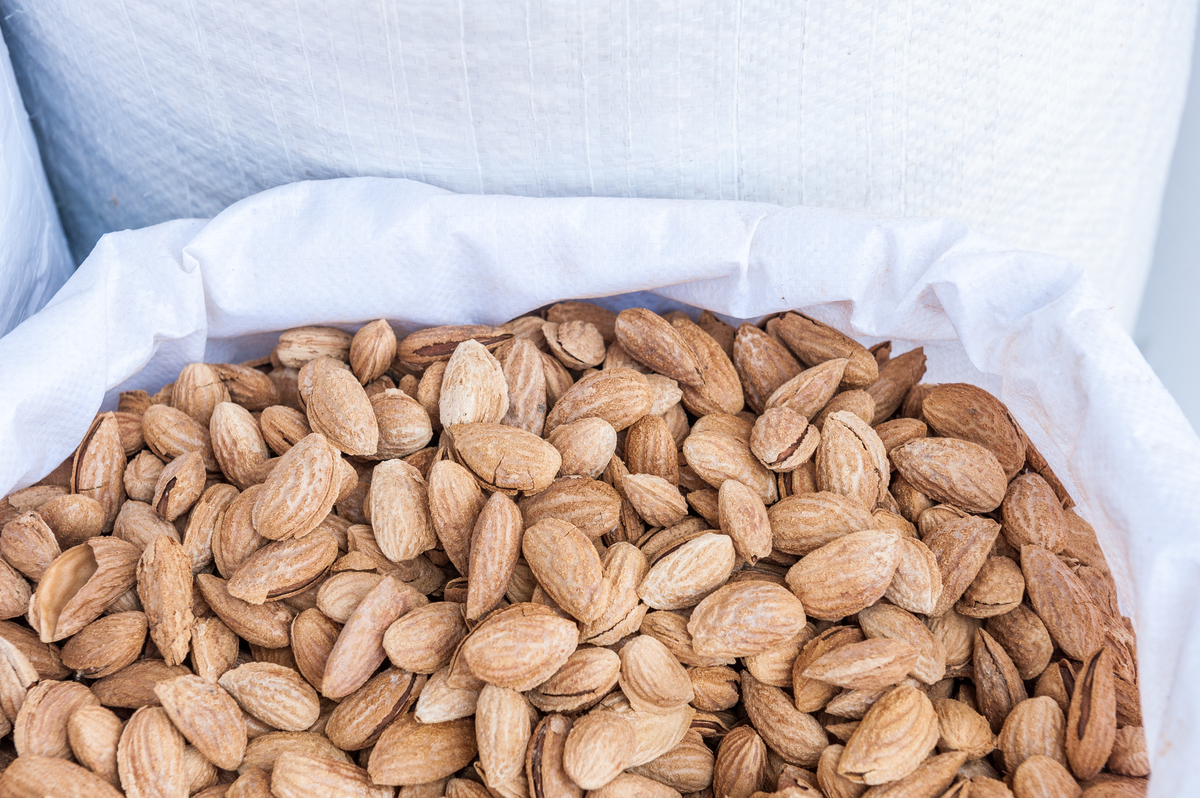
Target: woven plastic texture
(34, 260)
(1046, 124)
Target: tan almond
(745, 618)
(339, 408)
(869, 665)
(594, 507)
(963, 729)
(1092, 720)
(719, 389)
(302, 344)
(283, 568)
(959, 410)
(94, 733)
(619, 396)
(961, 547)
(76, 518)
(1062, 602)
(455, 501)
(409, 752)
(238, 444)
(814, 342)
(763, 364)
(214, 648)
(495, 547)
(207, 716)
(998, 685)
(106, 645)
(423, 639)
(1032, 514)
(40, 725)
(1042, 777)
(519, 647)
(275, 694)
(586, 446)
(651, 340)
(247, 386)
(506, 457)
(598, 748)
(80, 584)
(309, 472)
(567, 566)
(34, 776)
(261, 624)
(164, 583)
(28, 544)
(845, 575)
(1034, 727)
(796, 736)
(170, 433)
(895, 735)
(359, 720)
(717, 456)
(150, 756)
(359, 648)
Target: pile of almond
(578, 553)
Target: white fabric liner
(1027, 326)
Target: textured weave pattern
(1046, 124)
(34, 261)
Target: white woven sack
(1046, 124)
(34, 261)
(1028, 327)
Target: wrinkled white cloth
(34, 260)
(1048, 125)
(1027, 326)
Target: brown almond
(1032, 514)
(651, 340)
(80, 584)
(310, 471)
(164, 583)
(409, 752)
(106, 645)
(359, 648)
(619, 396)
(845, 575)
(1092, 719)
(814, 342)
(495, 547)
(28, 544)
(238, 444)
(1062, 602)
(567, 566)
(33, 776)
(506, 457)
(745, 618)
(961, 547)
(959, 410)
(361, 717)
(207, 716)
(339, 408)
(998, 685)
(895, 735)
(40, 725)
(275, 694)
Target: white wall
(1168, 328)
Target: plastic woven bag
(1048, 125)
(1026, 326)
(34, 261)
